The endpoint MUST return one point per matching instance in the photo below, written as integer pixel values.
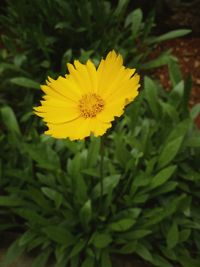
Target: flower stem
(101, 168)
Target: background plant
(51, 188)
(40, 37)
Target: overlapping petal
(105, 90)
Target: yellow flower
(86, 100)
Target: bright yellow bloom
(86, 100)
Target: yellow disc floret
(90, 105)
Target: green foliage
(40, 37)
(51, 189)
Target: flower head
(87, 99)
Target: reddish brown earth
(187, 51)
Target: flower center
(90, 105)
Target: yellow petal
(111, 110)
(98, 128)
(75, 130)
(57, 114)
(108, 71)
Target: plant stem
(101, 168)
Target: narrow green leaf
(180, 130)
(88, 262)
(176, 95)
(13, 252)
(172, 236)
(109, 183)
(136, 234)
(128, 248)
(102, 240)
(59, 235)
(151, 95)
(163, 59)
(25, 82)
(193, 142)
(174, 73)
(11, 201)
(78, 248)
(170, 35)
(32, 216)
(86, 213)
(195, 111)
(53, 195)
(10, 121)
(105, 259)
(41, 259)
(169, 152)
(143, 252)
(161, 262)
(121, 225)
(26, 237)
(162, 176)
(93, 152)
(135, 19)
(44, 155)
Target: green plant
(151, 186)
(51, 33)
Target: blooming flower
(86, 100)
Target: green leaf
(59, 235)
(41, 259)
(195, 111)
(143, 252)
(25, 82)
(102, 240)
(11, 201)
(132, 213)
(128, 248)
(44, 155)
(151, 95)
(135, 19)
(88, 262)
(136, 234)
(169, 152)
(184, 235)
(176, 94)
(26, 237)
(86, 213)
(193, 142)
(174, 73)
(172, 236)
(53, 195)
(161, 262)
(109, 183)
(163, 59)
(121, 7)
(170, 111)
(78, 248)
(93, 152)
(188, 261)
(10, 121)
(180, 130)
(162, 176)
(13, 252)
(32, 216)
(105, 259)
(121, 225)
(170, 35)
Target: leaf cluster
(51, 194)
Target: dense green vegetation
(50, 190)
